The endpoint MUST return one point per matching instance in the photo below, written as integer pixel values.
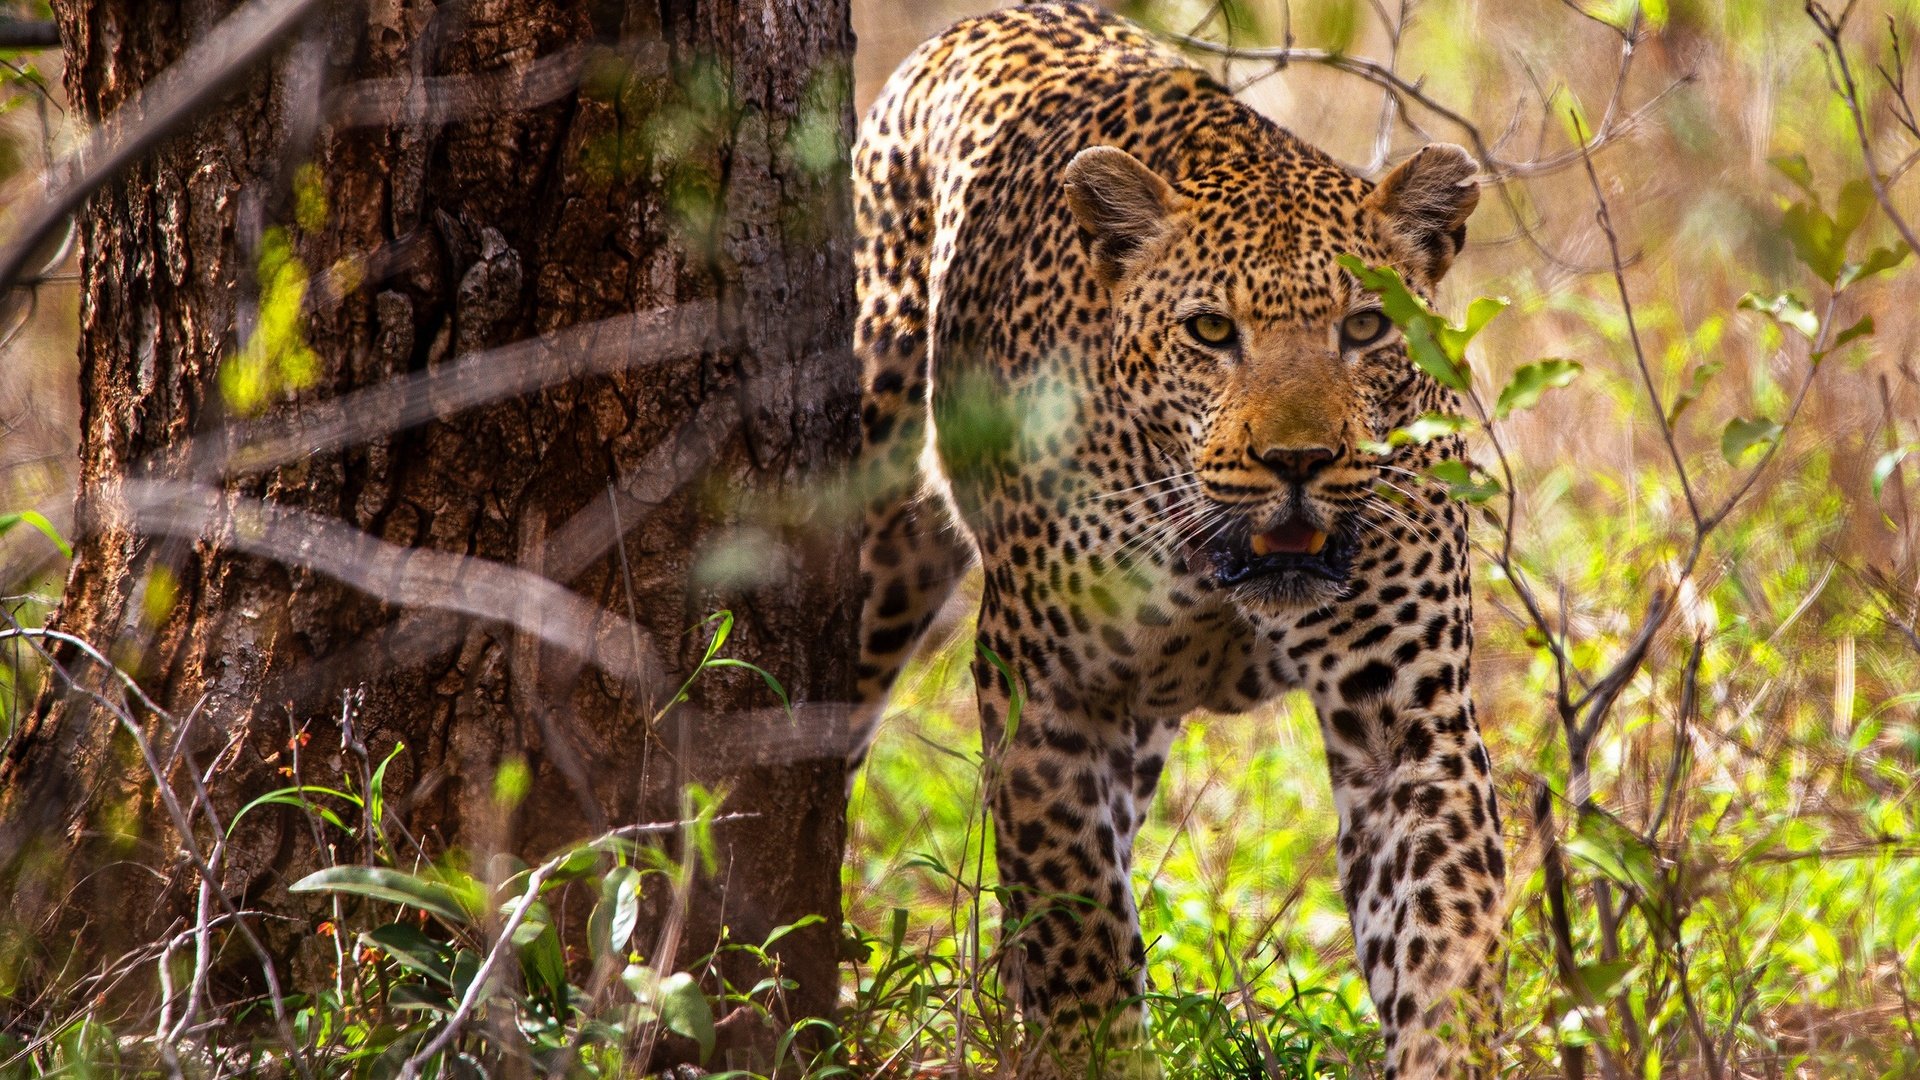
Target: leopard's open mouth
(1292, 548)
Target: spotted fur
(1054, 214)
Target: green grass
(1783, 875)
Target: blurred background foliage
(1743, 893)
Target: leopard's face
(1256, 362)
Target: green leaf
(578, 863)
(413, 997)
(1399, 303)
(1016, 696)
(1825, 945)
(1603, 843)
(1878, 261)
(684, 1011)
(1421, 432)
(1889, 461)
(1743, 435)
(782, 931)
(1573, 119)
(300, 797)
(722, 622)
(772, 683)
(1431, 357)
(1601, 978)
(544, 964)
(1796, 169)
(1858, 330)
(1817, 239)
(1427, 335)
(392, 886)
(643, 982)
(611, 925)
(1856, 199)
(1703, 373)
(413, 950)
(538, 921)
(1533, 380)
(38, 521)
(1454, 339)
(1461, 482)
(1785, 309)
(1333, 25)
(377, 791)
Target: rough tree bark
(698, 160)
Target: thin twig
(183, 826)
(1831, 28)
(410, 577)
(1383, 76)
(1605, 220)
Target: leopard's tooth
(1319, 541)
(1261, 545)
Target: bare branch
(207, 69)
(1895, 75)
(28, 34)
(1497, 170)
(1793, 411)
(182, 824)
(596, 348)
(409, 577)
(1396, 28)
(1383, 76)
(675, 460)
(398, 101)
(1830, 28)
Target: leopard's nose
(1295, 465)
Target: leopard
(1114, 363)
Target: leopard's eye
(1216, 331)
(1363, 328)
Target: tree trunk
(519, 168)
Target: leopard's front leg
(1421, 863)
(1061, 786)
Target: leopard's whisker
(1160, 537)
(1184, 500)
(1419, 478)
(1408, 495)
(1100, 495)
(1396, 515)
(1167, 538)
(1227, 519)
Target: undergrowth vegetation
(1693, 414)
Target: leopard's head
(1252, 358)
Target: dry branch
(393, 102)
(208, 69)
(406, 577)
(28, 34)
(596, 348)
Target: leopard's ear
(1120, 204)
(1426, 201)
